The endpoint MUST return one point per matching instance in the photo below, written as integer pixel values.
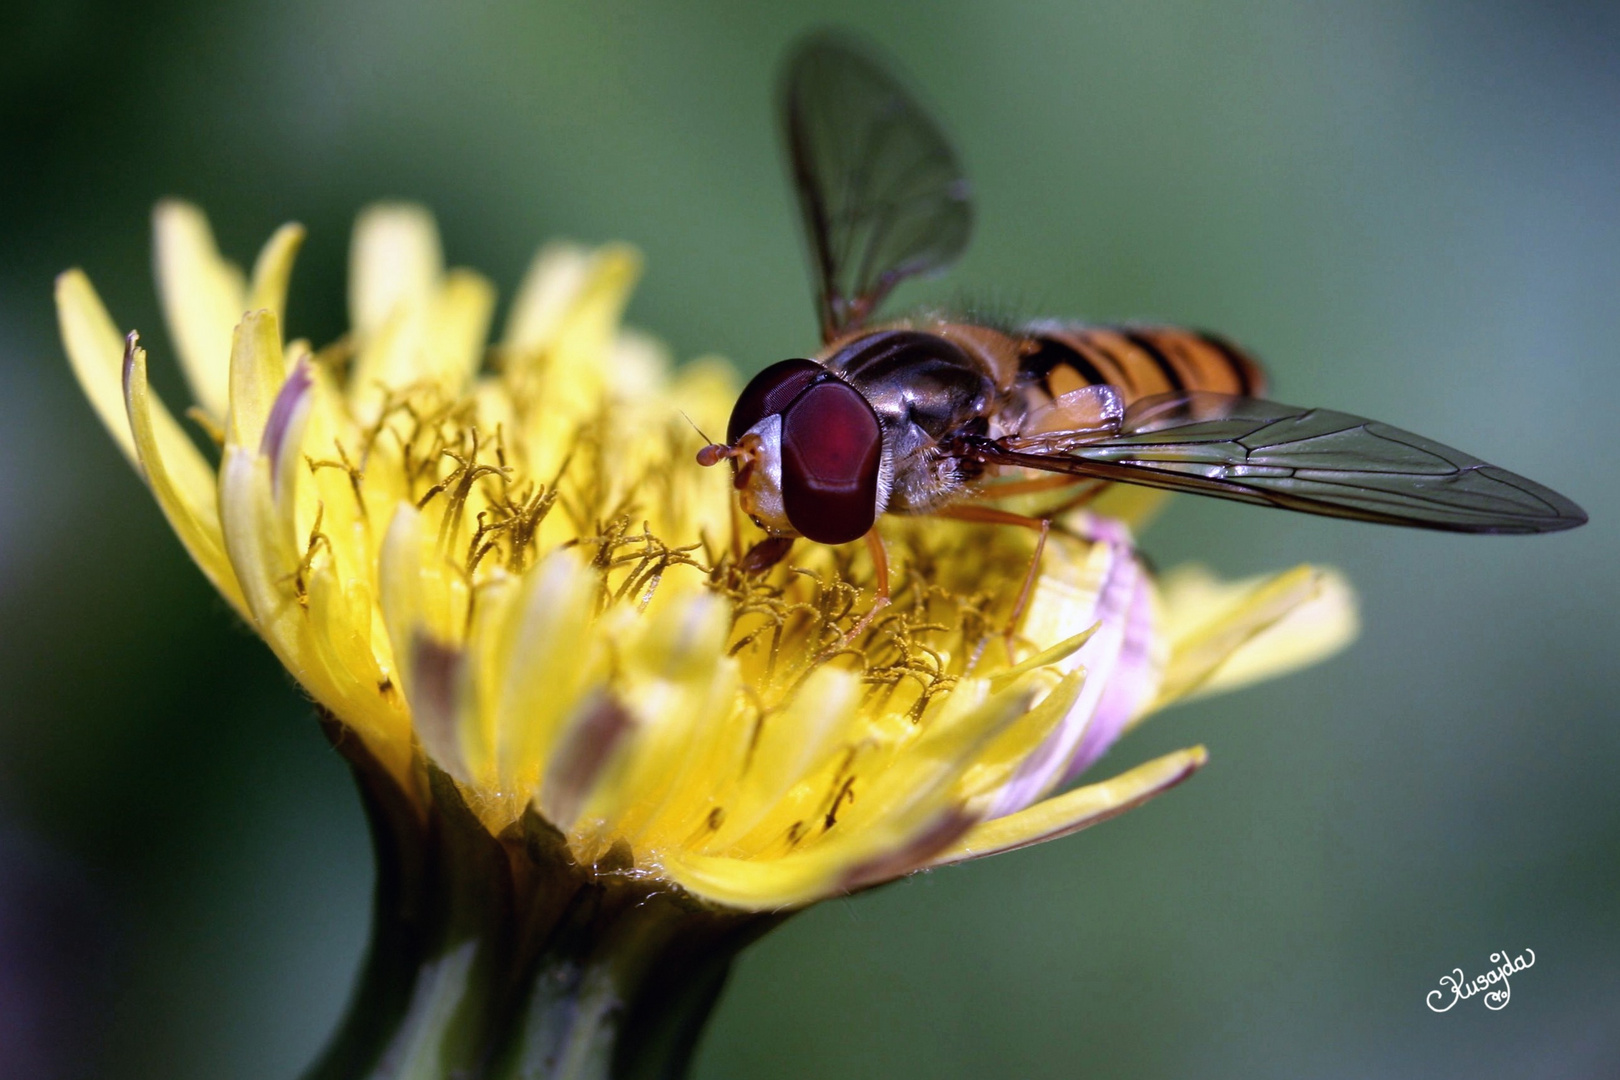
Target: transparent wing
(881, 191)
(1311, 460)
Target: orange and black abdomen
(1140, 361)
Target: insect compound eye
(771, 391)
(832, 447)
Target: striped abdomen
(1138, 360)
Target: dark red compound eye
(832, 447)
(770, 392)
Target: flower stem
(500, 958)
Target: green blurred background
(1411, 208)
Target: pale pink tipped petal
(1104, 530)
(1134, 683)
(1117, 595)
(281, 428)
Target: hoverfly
(916, 415)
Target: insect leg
(1091, 487)
(1079, 499)
(880, 564)
(991, 516)
(880, 567)
(1027, 487)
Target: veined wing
(1313, 460)
(880, 189)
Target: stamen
(458, 486)
(478, 547)
(524, 522)
(344, 464)
(317, 541)
(847, 791)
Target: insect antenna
(712, 453)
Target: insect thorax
(925, 388)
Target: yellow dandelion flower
(518, 603)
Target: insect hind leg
(990, 515)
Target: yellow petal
(590, 326)
(389, 357)
(567, 313)
(340, 615)
(439, 339)
(758, 884)
(918, 781)
(1223, 635)
(855, 859)
(546, 660)
(421, 593)
(1052, 655)
(257, 503)
(1075, 810)
(998, 761)
(95, 348)
(258, 369)
(282, 440)
(301, 613)
(264, 557)
(458, 329)
(273, 270)
(400, 588)
(203, 298)
(181, 481)
(1309, 633)
(680, 688)
(638, 366)
(787, 746)
(549, 290)
(394, 261)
